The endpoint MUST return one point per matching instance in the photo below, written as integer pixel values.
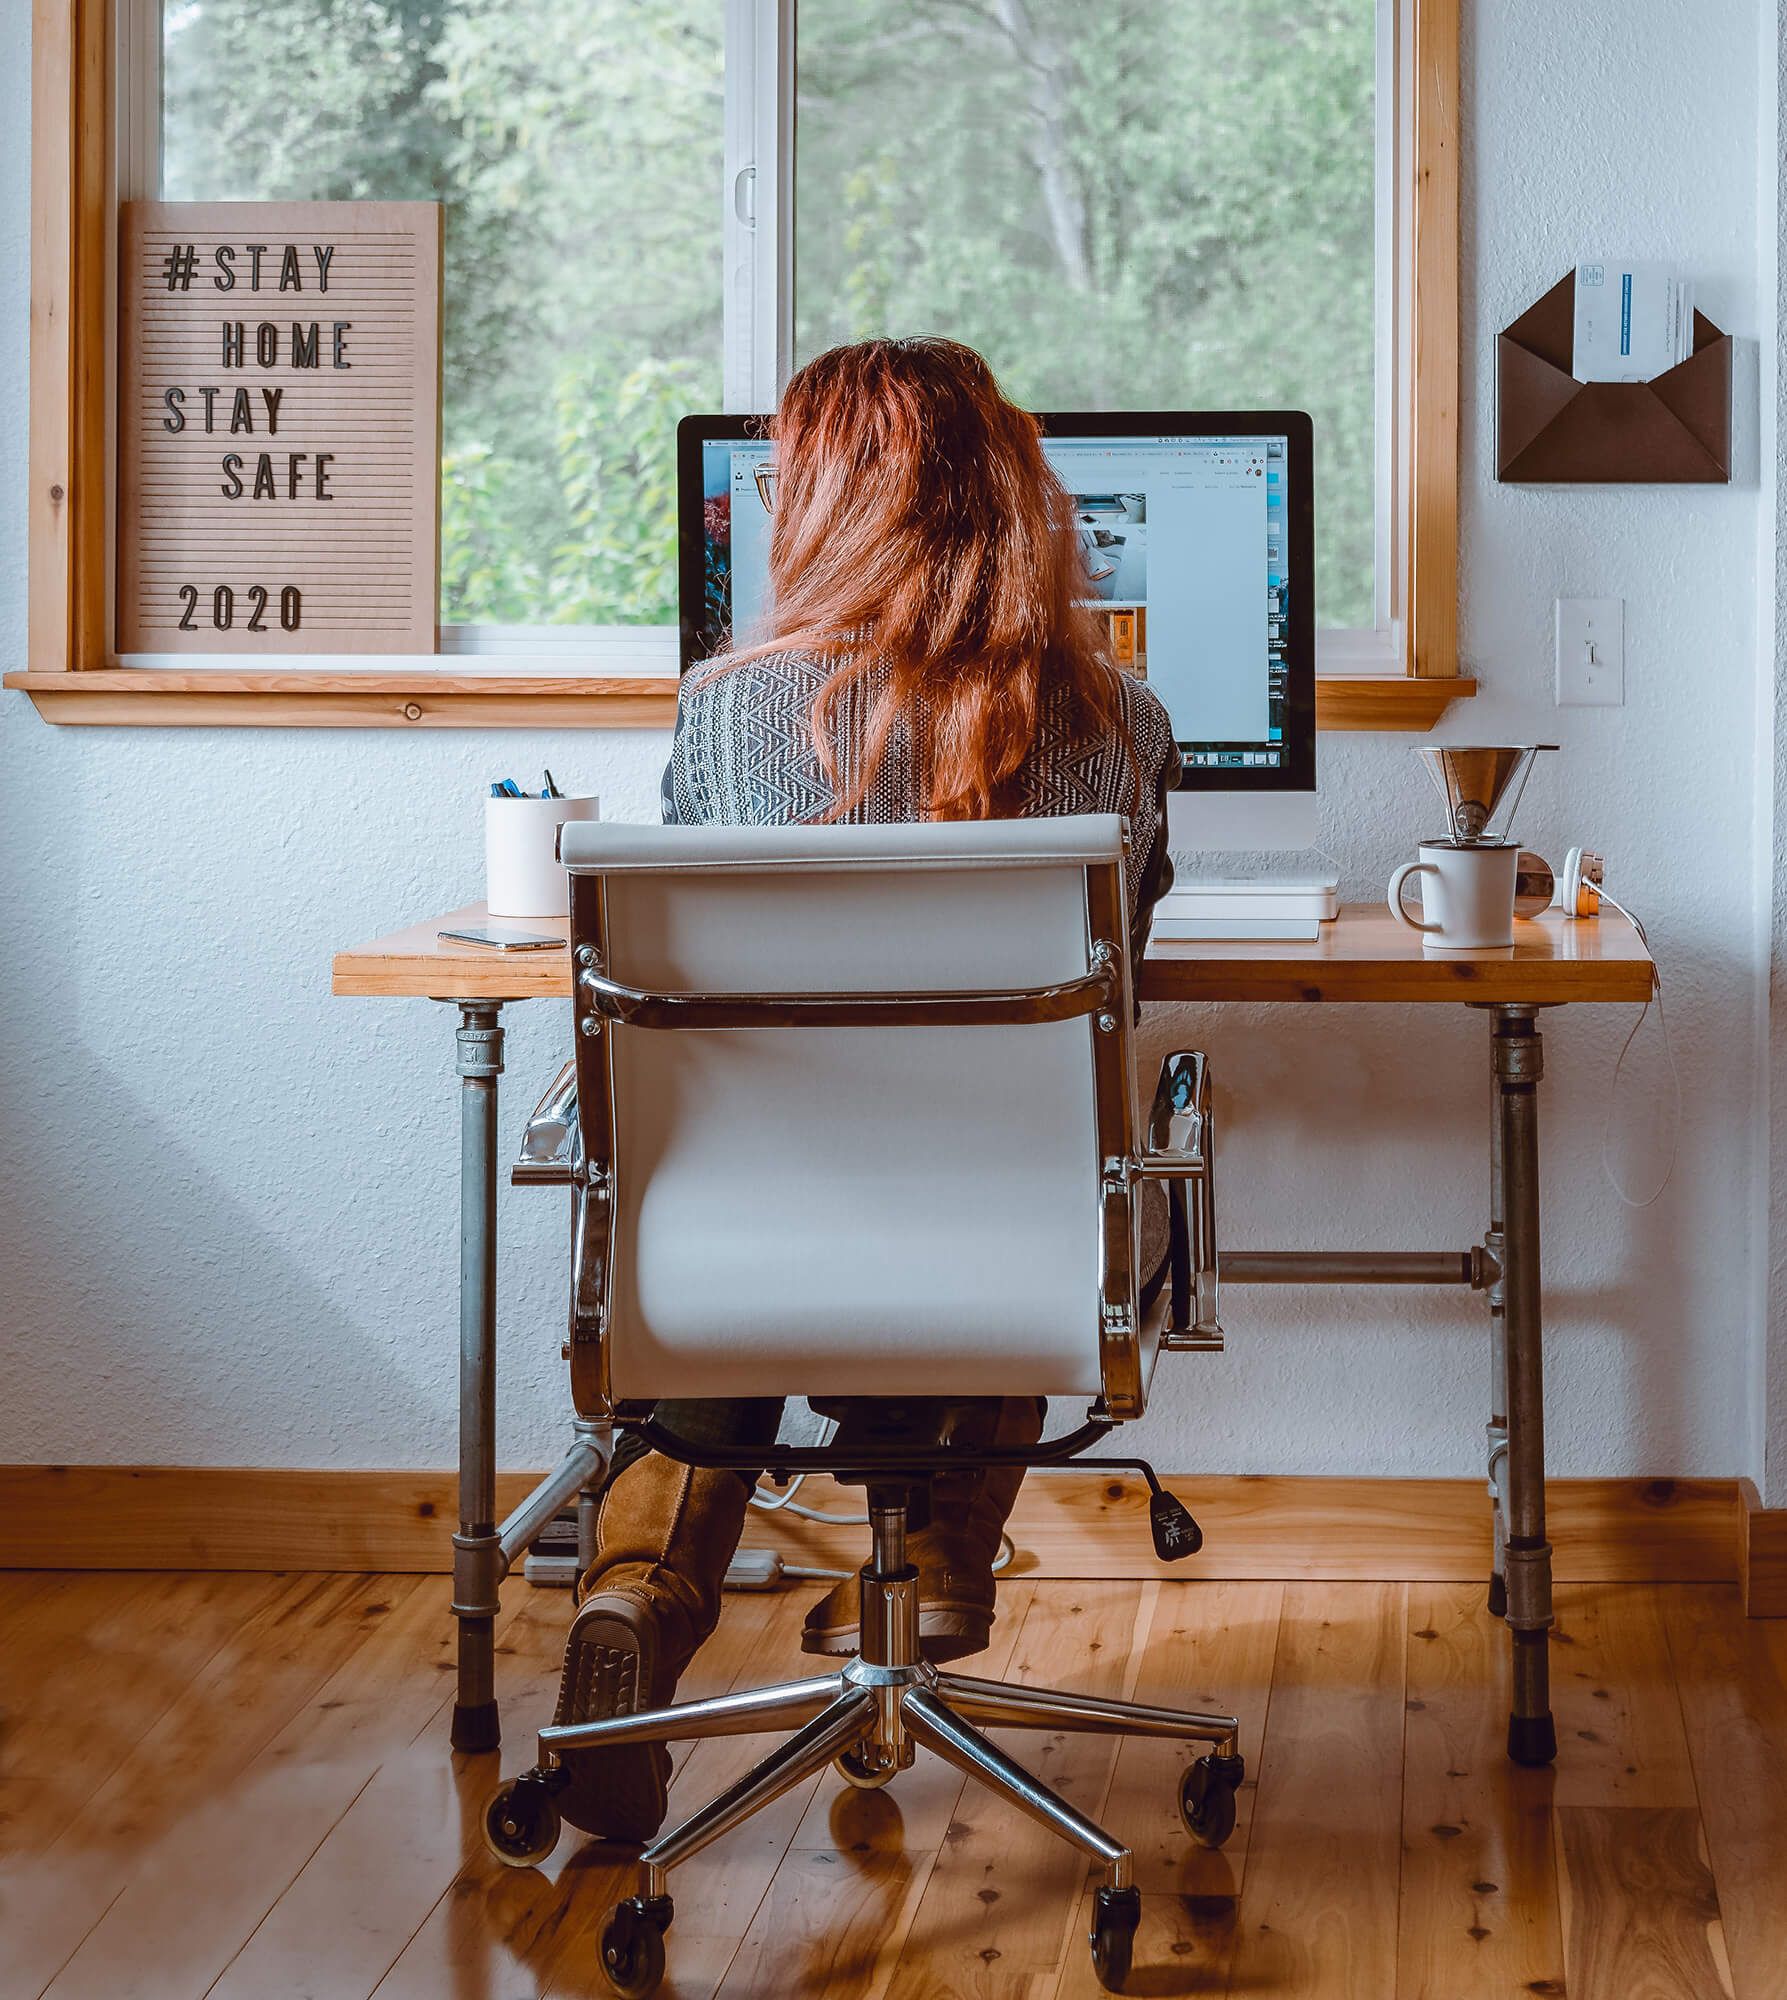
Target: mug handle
(1394, 897)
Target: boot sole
(621, 1793)
(942, 1635)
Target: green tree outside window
(1149, 204)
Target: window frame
(93, 145)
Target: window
(1167, 205)
(1174, 203)
(576, 147)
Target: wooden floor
(239, 1786)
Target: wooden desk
(1365, 956)
(414, 962)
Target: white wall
(1768, 1385)
(229, 1199)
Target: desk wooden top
(1363, 955)
(416, 961)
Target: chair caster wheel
(521, 1822)
(1116, 1914)
(857, 1770)
(1207, 1798)
(633, 1945)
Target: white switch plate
(1591, 652)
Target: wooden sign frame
(279, 428)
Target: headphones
(1576, 890)
(1579, 888)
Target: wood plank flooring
(240, 1786)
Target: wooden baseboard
(1067, 1524)
(232, 1517)
(1761, 1553)
(1080, 1524)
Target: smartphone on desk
(503, 937)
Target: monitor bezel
(1297, 772)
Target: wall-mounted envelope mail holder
(1552, 429)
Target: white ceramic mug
(1467, 895)
(521, 867)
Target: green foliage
(617, 452)
(1159, 204)
(1153, 203)
(483, 576)
(577, 146)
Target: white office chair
(855, 1116)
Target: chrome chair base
(869, 1718)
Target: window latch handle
(744, 195)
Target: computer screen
(1195, 535)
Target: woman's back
(745, 756)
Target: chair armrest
(1064, 1000)
(550, 1151)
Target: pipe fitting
(480, 1050)
(479, 1567)
(1528, 1571)
(1519, 1057)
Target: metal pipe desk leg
(477, 1550)
(1496, 1430)
(1519, 1063)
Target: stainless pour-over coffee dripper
(1477, 781)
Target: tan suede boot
(664, 1536)
(955, 1553)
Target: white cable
(784, 1502)
(828, 1520)
(776, 1503)
(773, 1503)
(1602, 896)
(1675, 1082)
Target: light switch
(1591, 652)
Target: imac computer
(1196, 534)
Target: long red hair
(919, 527)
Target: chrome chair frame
(871, 1714)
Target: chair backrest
(865, 1209)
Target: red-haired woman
(927, 657)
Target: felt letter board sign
(279, 427)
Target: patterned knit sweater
(744, 756)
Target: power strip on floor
(551, 1572)
(754, 1569)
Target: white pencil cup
(521, 867)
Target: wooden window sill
(1387, 701)
(312, 700)
(496, 701)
